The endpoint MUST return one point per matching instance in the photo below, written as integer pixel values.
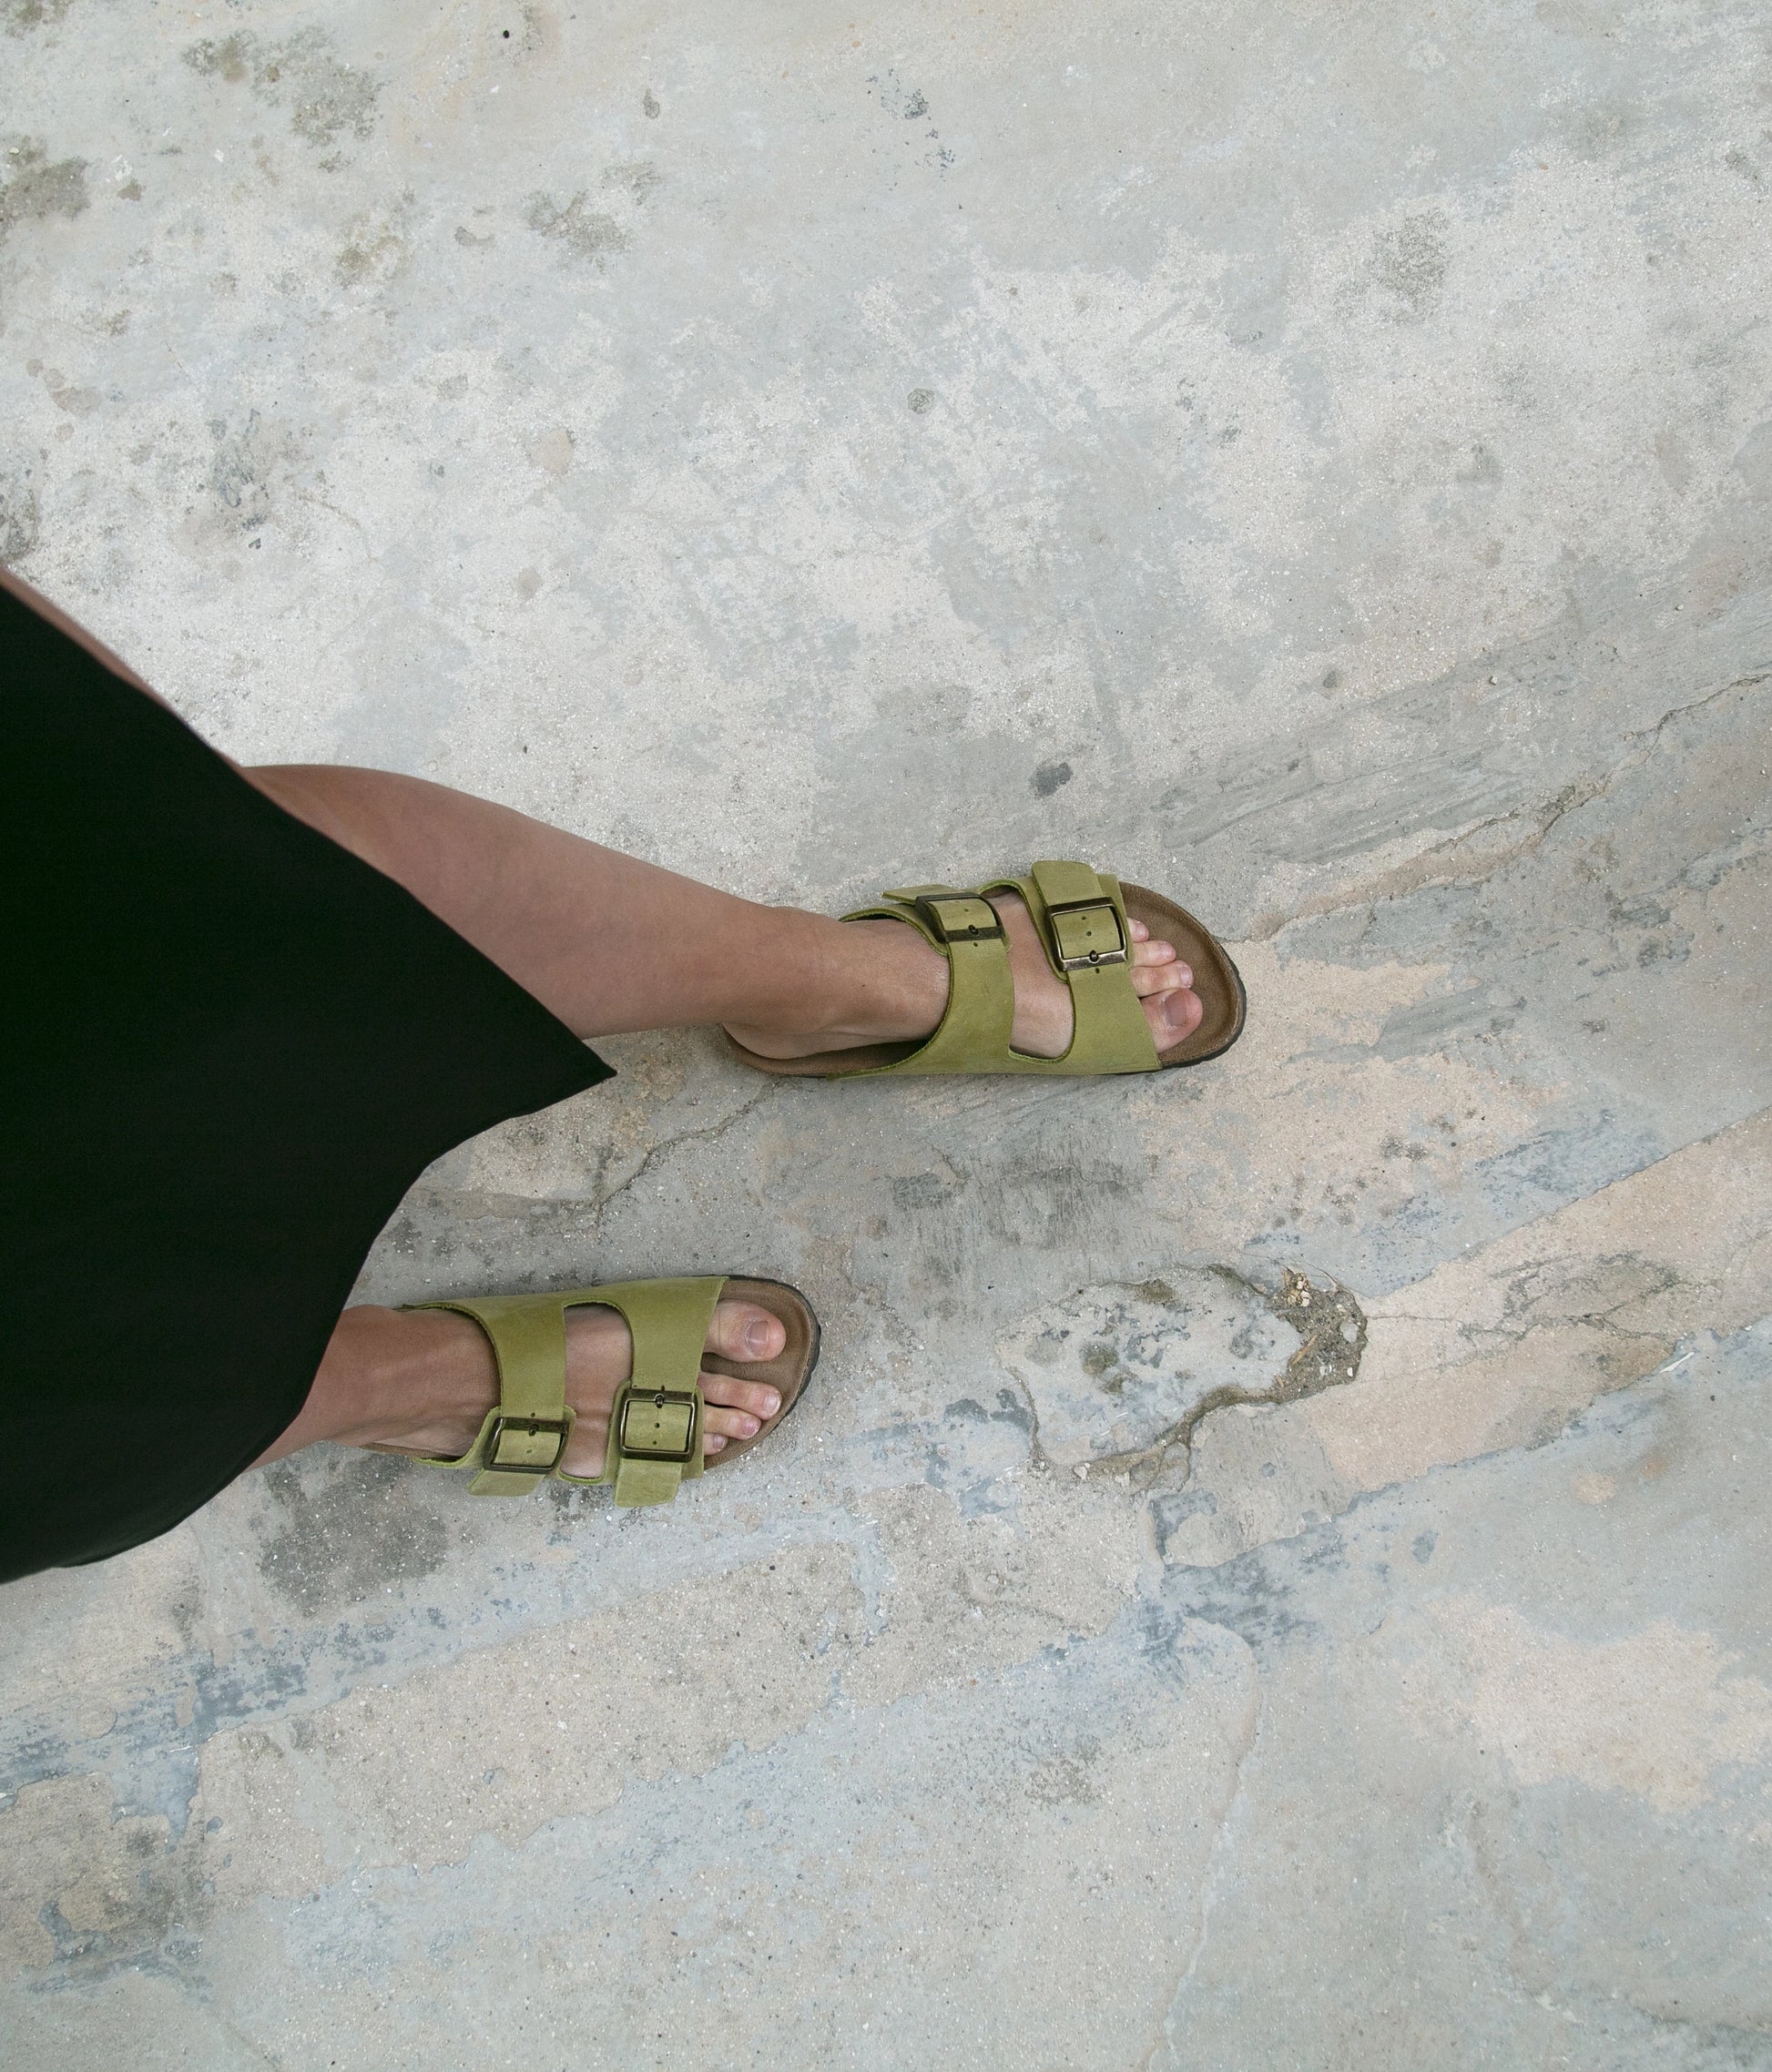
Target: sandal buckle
(527, 1435)
(658, 1424)
(961, 917)
(1086, 934)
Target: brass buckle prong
(658, 1404)
(961, 917)
(1083, 951)
(531, 1427)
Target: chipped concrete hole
(1120, 1375)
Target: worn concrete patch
(1562, 1705)
(34, 187)
(80, 1885)
(582, 232)
(1657, 1712)
(347, 1526)
(19, 515)
(953, 1599)
(1500, 1347)
(1120, 1376)
(20, 16)
(509, 1737)
(246, 456)
(1024, 1809)
(302, 74)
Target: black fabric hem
(234, 1047)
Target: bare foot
(906, 992)
(421, 1381)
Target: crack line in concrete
(1210, 1885)
(706, 1134)
(1414, 874)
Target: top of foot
(453, 1382)
(902, 994)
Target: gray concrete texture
(1273, 1570)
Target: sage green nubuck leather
(655, 1421)
(1081, 916)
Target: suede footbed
(788, 1372)
(1216, 981)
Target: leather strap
(656, 1422)
(1080, 916)
(527, 1431)
(669, 1321)
(981, 1008)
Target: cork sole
(1216, 981)
(790, 1370)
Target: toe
(730, 1423)
(742, 1332)
(736, 1409)
(1173, 1016)
(755, 1398)
(1150, 978)
(1145, 952)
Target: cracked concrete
(1120, 1378)
(1322, 470)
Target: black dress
(231, 1047)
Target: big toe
(1175, 1016)
(741, 1331)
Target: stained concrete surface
(1273, 1570)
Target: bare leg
(612, 944)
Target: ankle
(875, 980)
(439, 1378)
(391, 1374)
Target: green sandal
(1081, 916)
(656, 1420)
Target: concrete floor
(1316, 460)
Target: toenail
(748, 1427)
(757, 1338)
(772, 1403)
